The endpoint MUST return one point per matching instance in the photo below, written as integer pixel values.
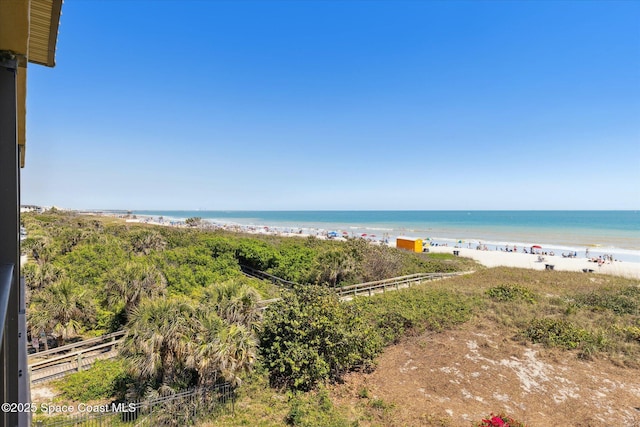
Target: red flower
(498, 422)
(495, 422)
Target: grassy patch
(442, 256)
(418, 309)
(619, 300)
(564, 334)
(102, 381)
(315, 409)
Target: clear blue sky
(263, 105)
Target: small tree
(309, 337)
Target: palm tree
(234, 302)
(157, 340)
(145, 241)
(222, 350)
(237, 352)
(174, 343)
(60, 309)
(38, 247)
(333, 267)
(38, 276)
(204, 355)
(133, 282)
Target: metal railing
(178, 409)
(6, 277)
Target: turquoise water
(610, 232)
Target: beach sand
(629, 270)
(490, 258)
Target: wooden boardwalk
(367, 289)
(60, 361)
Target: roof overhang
(28, 30)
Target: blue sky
(259, 105)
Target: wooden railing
(85, 354)
(252, 272)
(395, 283)
(378, 286)
(86, 343)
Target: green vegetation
(511, 292)
(192, 316)
(417, 309)
(177, 343)
(620, 300)
(314, 409)
(102, 269)
(310, 337)
(557, 333)
(104, 380)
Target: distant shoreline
(492, 257)
(615, 233)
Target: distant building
(31, 208)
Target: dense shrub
(309, 337)
(557, 333)
(511, 292)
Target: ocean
(604, 232)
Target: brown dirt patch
(458, 377)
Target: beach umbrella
(364, 234)
(345, 232)
(536, 247)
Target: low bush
(417, 309)
(511, 292)
(557, 333)
(623, 300)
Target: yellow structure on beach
(409, 243)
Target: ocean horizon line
(616, 230)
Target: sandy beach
(488, 258)
(629, 270)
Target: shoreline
(487, 258)
(474, 227)
(629, 270)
